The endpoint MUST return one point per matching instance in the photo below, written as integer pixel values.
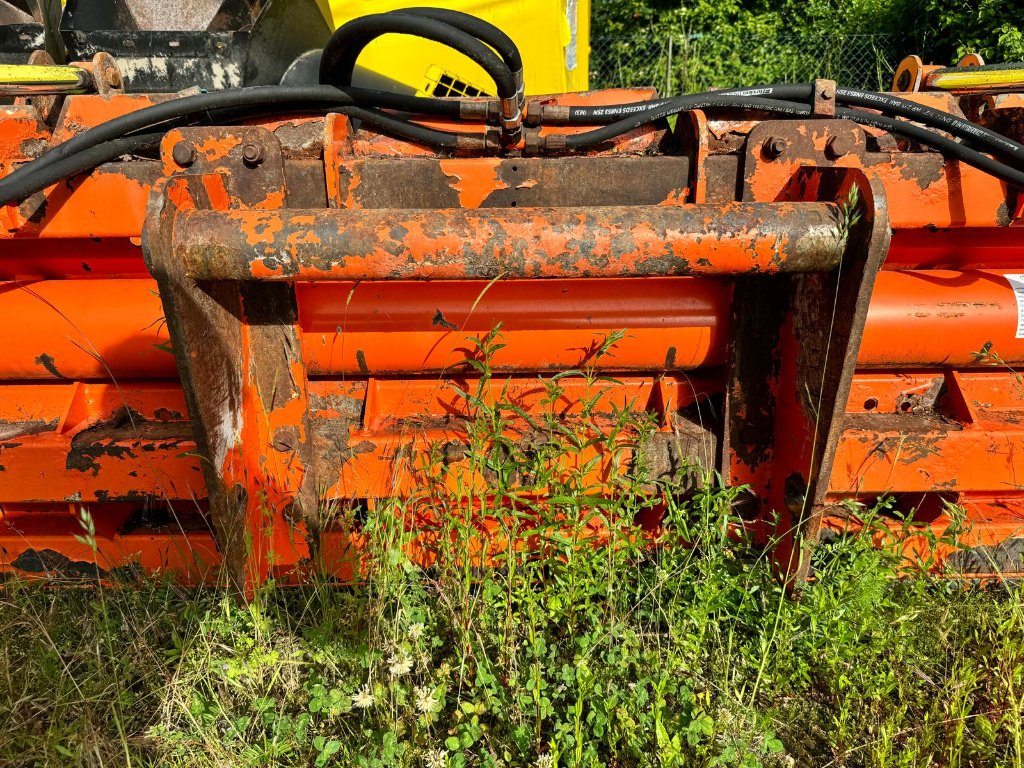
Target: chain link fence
(688, 63)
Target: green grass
(680, 657)
(559, 654)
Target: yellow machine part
(553, 36)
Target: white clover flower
(545, 761)
(435, 758)
(425, 701)
(362, 699)
(416, 631)
(400, 664)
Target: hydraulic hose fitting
(536, 144)
(489, 141)
(539, 113)
(520, 88)
(488, 110)
(511, 119)
(532, 115)
(554, 113)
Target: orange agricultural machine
(222, 309)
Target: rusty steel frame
(315, 285)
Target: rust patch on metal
(1007, 557)
(120, 437)
(526, 182)
(474, 179)
(52, 563)
(441, 320)
(12, 429)
(47, 362)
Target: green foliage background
(735, 42)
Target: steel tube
(484, 244)
(940, 318)
(99, 329)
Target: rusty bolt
(285, 439)
(774, 147)
(183, 154)
(838, 146)
(252, 154)
(292, 513)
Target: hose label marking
(1017, 284)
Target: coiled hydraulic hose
(337, 64)
(478, 28)
(487, 33)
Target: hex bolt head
(534, 113)
(183, 154)
(774, 147)
(837, 147)
(285, 439)
(252, 154)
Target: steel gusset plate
(239, 358)
(793, 352)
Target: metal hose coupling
(520, 88)
(511, 119)
(536, 144)
(487, 110)
(539, 112)
(489, 141)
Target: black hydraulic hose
(920, 113)
(780, 106)
(13, 190)
(930, 138)
(175, 112)
(612, 112)
(401, 102)
(935, 118)
(180, 109)
(337, 64)
(713, 100)
(33, 177)
(928, 116)
(478, 28)
(511, 110)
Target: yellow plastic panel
(553, 36)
